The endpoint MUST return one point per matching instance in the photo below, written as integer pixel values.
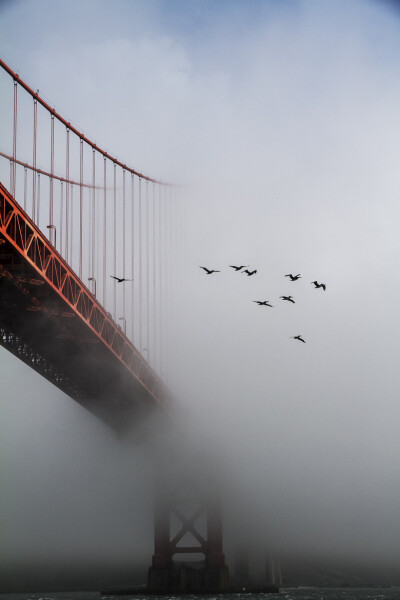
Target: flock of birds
(244, 269)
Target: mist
(281, 123)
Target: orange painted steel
(45, 304)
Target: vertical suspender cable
(80, 208)
(71, 229)
(140, 266)
(166, 282)
(177, 255)
(154, 313)
(160, 283)
(67, 197)
(89, 229)
(38, 201)
(14, 164)
(34, 159)
(51, 216)
(123, 245)
(25, 186)
(147, 273)
(174, 231)
(171, 269)
(165, 286)
(132, 228)
(115, 245)
(165, 269)
(93, 253)
(104, 235)
(169, 279)
(61, 217)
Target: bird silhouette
(249, 273)
(293, 277)
(289, 298)
(209, 271)
(238, 268)
(120, 279)
(319, 285)
(298, 337)
(263, 303)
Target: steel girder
(45, 306)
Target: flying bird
(120, 279)
(263, 303)
(209, 271)
(289, 298)
(293, 277)
(319, 285)
(298, 337)
(238, 268)
(249, 273)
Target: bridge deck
(50, 320)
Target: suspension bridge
(86, 248)
(85, 254)
(86, 244)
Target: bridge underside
(60, 334)
(49, 337)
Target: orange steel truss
(50, 319)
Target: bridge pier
(188, 523)
(189, 579)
